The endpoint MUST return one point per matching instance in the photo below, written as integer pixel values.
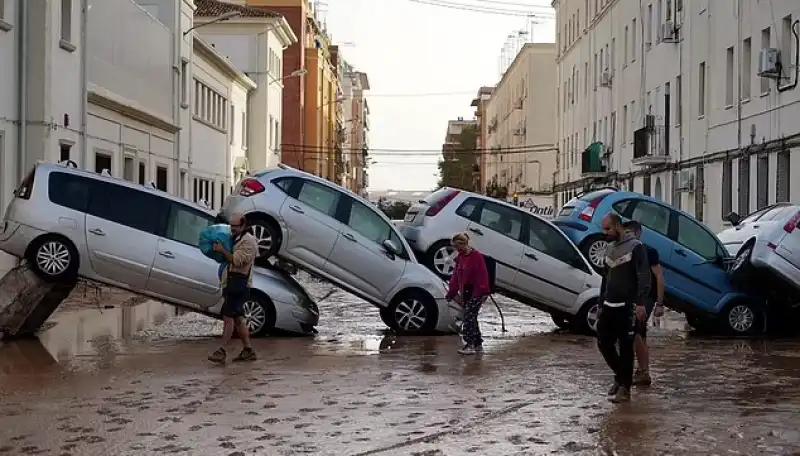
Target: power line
(416, 95)
(323, 150)
(477, 8)
(499, 2)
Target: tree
(495, 190)
(394, 210)
(458, 166)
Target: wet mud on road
(133, 380)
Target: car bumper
(15, 237)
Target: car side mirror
(391, 247)
(734, 218)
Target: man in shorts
(236, 282)
(656, 303)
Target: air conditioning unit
(686, 180)
(669, 32)
(769, 63)
(605, 79)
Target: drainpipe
(84, 85)
(23, 91)
(177, 92)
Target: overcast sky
(425, 64)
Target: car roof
(498, 201)
(287, 170)
(47, 167)
(623, 194)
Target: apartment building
(522, 128)
(355, 145)
(479, 103)
(693, 103)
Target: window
(202, 190)
(65, 149)
(692, 236)
(646, 185)
(727, 187)
(652, 216)
(184, 83)
(700, 194)
(782, 179)
(762, 182)
(210, 106)
(729, 77)
(185, 224)
(161, 178)
(678, 100)
(367, 223)
(102, 161)
(659, 20)
(244, 130)
(142, 173)
(701, 91)
(787, 38)
(284, 183)
(467, 208)
(69, 190)
(648, 40)
(551, 242)
(633, 40)
(621, 207)
(126, 206)
(501, 219)
(625, 51)
(319, 197)
(744, 185)
(745, 65)
(765, 43)
(66, 24)
(127, 169)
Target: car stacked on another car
(536, 263)
(340, 237)
(694, 260)
(69, 222)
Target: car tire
(594, 249)
(386, 317)
(53, 258)
(742, 268)
(441, 259)
(698, 323)
(586, 320)
(561, 322)
(743, 318)
(412, 312)
(259, 312)
(268, 235)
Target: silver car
(342, 238)
(537, 264)
(69, 222)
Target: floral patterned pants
(470, 330)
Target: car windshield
(593, 195)
(434, 198)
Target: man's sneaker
(623, 395)
(219, 356)
(247, 354)
(642, 378)
(479, 349)
(613, 390)
(467, 350)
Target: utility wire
(479, 9)
(322, 150)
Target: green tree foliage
(457, 168)
(394, 210)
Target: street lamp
(221, 18)
(293, 74)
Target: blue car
(694, 261)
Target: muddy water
(143, 387)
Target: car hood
(283, 277)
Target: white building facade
(522, 129)
(220, 124)
(355, 145)
(254, 43)
(694, 103)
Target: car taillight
(791, 225)
(435, 209)
(251, 187)
(588, 212)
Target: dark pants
(616, 325)
(236, 293)
(471, 332)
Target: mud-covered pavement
(133, 380)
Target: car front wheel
(742, 318)
(586, 322)
(412, 312)
(594, 249)
(259, 315)
(53, 258)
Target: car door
(789, 246)
(181, 273)
(359, 258)
(551, 270)
(311, 225)
(694, 269)
(121, 233)
(496, 230)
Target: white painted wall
(640, 76)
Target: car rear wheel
(268, 236)
(586, 321)
(259, 313)
(742, 269)
(442, 259)
(594, 249)
(53, 258)
(412, 312)
(743, 318)
(560, 321)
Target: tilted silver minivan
(69, 222)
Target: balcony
(592, 161)
(649, 146)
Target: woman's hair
(461, 237)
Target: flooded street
(133, 379)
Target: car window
(505, 221)
(320, 197)
(755, 215)
(127, 206)
(550, 241)
(283, 183)
(621, 206)
(653, 216)
(775, 213)
(185, 224)
(372, 226)
(69, 190)
(692, 236)
(468, 207)
(594, 194)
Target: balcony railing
(649, 146)
(592, 160)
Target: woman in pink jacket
(469, 286)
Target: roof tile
(214, 8)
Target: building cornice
(222, 63)
(99, 96)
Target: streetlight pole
(221, 18)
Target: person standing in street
(655, 304)
(236, 283)
(624, 291)
(469, 286)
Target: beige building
(522, 127)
